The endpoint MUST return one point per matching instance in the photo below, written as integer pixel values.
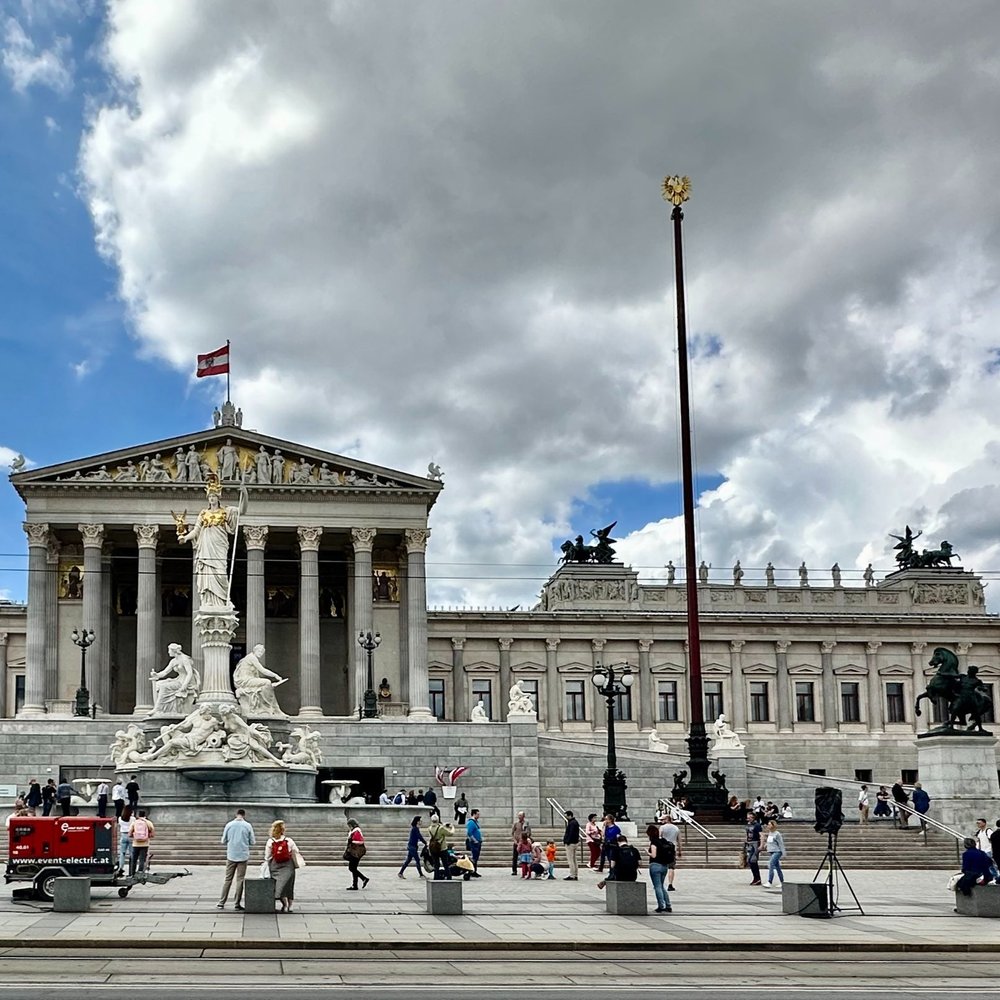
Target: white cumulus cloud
(27, 65)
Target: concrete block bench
(984, 902)
(444, 896)
(626, 899)
(258, 895)
(804, 899)
(71, 895)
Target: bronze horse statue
(965, 694)
(944, 684)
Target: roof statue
(601, 552)
(434, 472)
(907, 557)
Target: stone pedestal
(960, 775)
(732, 762)
(71, 895)
(216, 628)
(984, 902)
(626, 899)
(444, 897)
(258, 895)
(524, 780)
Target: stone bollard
(71, 895)
(258, 895)
(626, 899)
(804, 899)
(984, 902)
(444, 896)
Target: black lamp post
(611, 686)
(84, 639)
(369, 643)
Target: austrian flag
(216, 363)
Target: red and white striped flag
(216, 363)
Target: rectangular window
(436, 687)
(805, 704)
(482, 691)
(895, 706)
(760, 708)
(863, 774)
(909, 777)
(850, 702)
(820, 772)
(575, 701)
(530, 688)
(19, 683)
(712, 691)
(622, 709)
(990, 714)
(666, 698)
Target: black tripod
(834, 869)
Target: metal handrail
(554, 808)
(687, 820)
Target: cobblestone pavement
(713, 910)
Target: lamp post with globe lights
(611, 685)
(84, 638)
(369, 643)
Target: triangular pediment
(232, 453)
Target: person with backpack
(670, 832)
(623, 862)
(437, 844)
(140, 833)
(279, 853)
(661, 857)
(353, 853)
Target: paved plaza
(713, 911)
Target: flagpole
(229, 364)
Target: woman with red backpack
(280, 853)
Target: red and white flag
(216, 363)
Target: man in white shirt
(671, 833)
(102, 799)
(118, 797)
(863, 805)
(383, 799)
(238, 837)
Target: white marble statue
(869, 576)
(738, 574)
(17, 464)
(249, 740)
(127, 473)
(671, 571)
(703, 572)
(157, 471)
(803, 575)
(176, 686)
(263, 467)
(328, 476)
(725, 738)
(278, 468)
(519, 703)
(302, 473)
(255, 685)
(769, 574)
(228, 461)
(835, 573)
(434, 472)
(129, 746)
(201, 730)
(210, 538)
(655, 743)
(193, 462)
(479, 712)
(304, 748)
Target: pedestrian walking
(118, 797)
(33, 798)
(661, 856)
(670, 832)
(132, 792)
(775, 845)
(413, 848)
(48, 797)
(140, 833)
(280, 853)
(921, 803)
(124, 841)
(430, 800)
(751, 847)
(64, 793)
(592, 835)
(519, 829)
(900, 798)
(610, 832)
(102, 799)
(238, 838)
(571, 841)
(474, 839)
(863, 805)
(354, 852)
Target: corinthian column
(784, 695)
(310, 700)
(739, 686)
(505, 645)
(647, 696)
(415, 540)
(34, 684)
(829, 682)
(52, 619)
(255, 536)
(361, 607)
(3, 675)
(93, 599)
(553, 701)
(875, 719)
(461, 712)
(147, 613)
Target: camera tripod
(835, 872)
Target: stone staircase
(878, 846)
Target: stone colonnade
(43, 627)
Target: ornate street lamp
(611, 686)
(84, 639)
(369, 643)
(699, 789)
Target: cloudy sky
(434, 231)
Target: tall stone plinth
(216, 628)
(524, 783)
(960, 775)
(732, 762)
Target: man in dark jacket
(33, 800)
(975, 865)
(921, 802)
(64, 792)
(900, 797)
(571, 840)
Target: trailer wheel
(123, 891)
(44, 885)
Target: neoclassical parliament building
(815, 676)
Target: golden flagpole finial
(676, 190)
